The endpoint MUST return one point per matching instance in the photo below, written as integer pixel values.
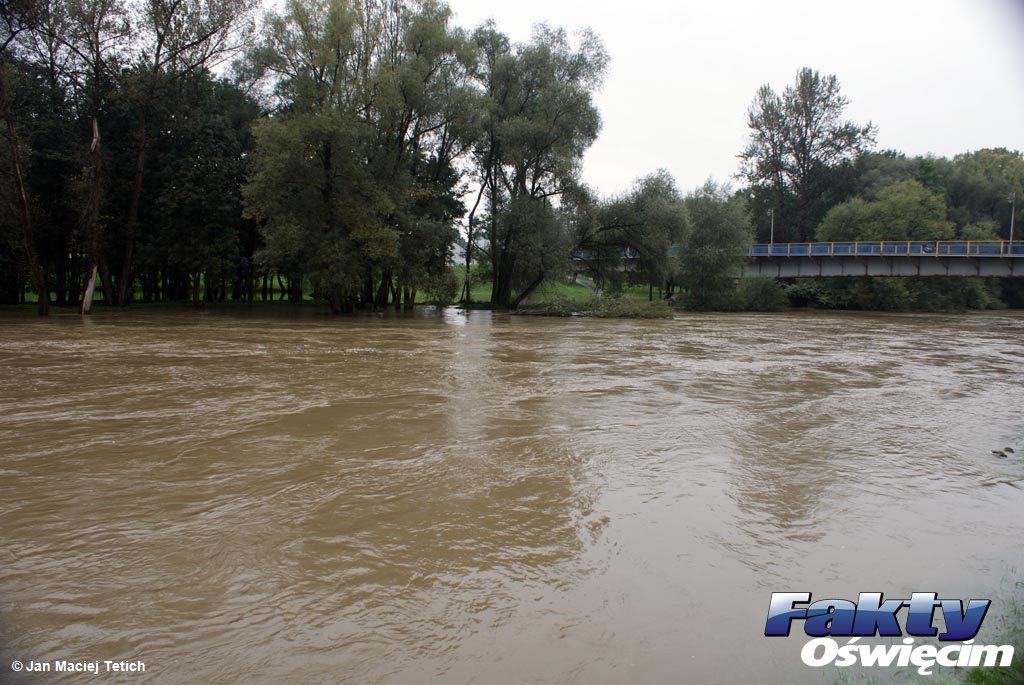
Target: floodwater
(487, 498)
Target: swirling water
(485, 498)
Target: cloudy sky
(936, 76)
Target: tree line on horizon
(355, 142)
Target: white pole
(1013, 206)
(771, 239)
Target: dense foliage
(358, 143)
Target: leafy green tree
(797, 140)
(712, 252)
(851, 220)
(540, 119)
(873, 171)
(636, 231)
(198, 228)
(176, 40)
(980, 230)
(355, 177)
(909, 211)
(903, 211)
(980, 185)
(36, 119)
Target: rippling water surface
(489, 498)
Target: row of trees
(358, 140)
(337, 159)
(813, 175)
(385, 116)
(122, 154)
(803, 160)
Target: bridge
(932, 259)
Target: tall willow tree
(355, 177)
(540, 119)
(643, 225)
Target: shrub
(760, 294)
(442, 287)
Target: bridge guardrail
(893, 248)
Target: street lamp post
(1013, 206)
(771, 237)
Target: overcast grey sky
(936, 76)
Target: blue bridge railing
(894, 248)
(873, 248)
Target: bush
(760, 294)
(816, 295)
(756, 294)
(897, 294)
(443, 287)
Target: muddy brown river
(485, 498)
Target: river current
(488, 498)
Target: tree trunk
(133, 217)
(501, 292)
(469, 244)
(382, 291)
(90, 223)
(529, 289)
(368, 290)
(295, 288)
(38, 272)
(90, 288)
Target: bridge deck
(933, 259)
(926, 258)
(892, 248)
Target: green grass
(553, 290)
(556, 294)
(550, 289)
(555, 297)
(600, 306)
(480, 293)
